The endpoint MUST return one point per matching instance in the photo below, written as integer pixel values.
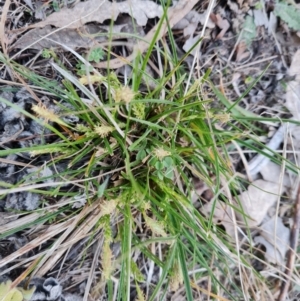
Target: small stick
(292, 250)
(3, 36)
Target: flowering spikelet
(106, 257)
(43, 112)
(91, 79)
(82, 128)
(211, 153)
(225, 117)
(124, 94)
(88, 131)
(160, 153)
(146, 206)
(136, 272)
(140, 294)
(139, 110)
(100, 151)
(155, 226)
(106, 261)
(108, 207)
(176, 277)
(103, 130)
(46, 151)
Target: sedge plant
(125, 195)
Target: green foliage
(102, 187)
(289, 14)
(164, 168)
(55, 5)
(138, 276)
(249, 30)
(46, 53)
(7, 293)
(141, 155)
(96, 55)
(82, 69)
(139, 110)
(258, 5)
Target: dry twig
(3, 36)
(292, 251)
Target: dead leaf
(275, 237)
(40, 10)
(193, 17)
(293, 87)
(29, 3)
(96, 11)
(256, 201)
(271, 173)
(294, 140)
(6, 217)
(223, 24)
(293, 98)
(233, 6)
(79, 201)
(236, 78)
(190, 29)
(130, 26)
(241, 52)
(189, 43)
(174, 15)
(272, 23)
(84, 37)
(260, 18)
(294, 69)
(222, 215)
(260, 160)
(189, 25)
(199, 188)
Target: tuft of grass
(125, 192)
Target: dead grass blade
(21, 222)
(53, 184)
(25, 273)
(208, 293)
(48, 234)
(78, 234)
